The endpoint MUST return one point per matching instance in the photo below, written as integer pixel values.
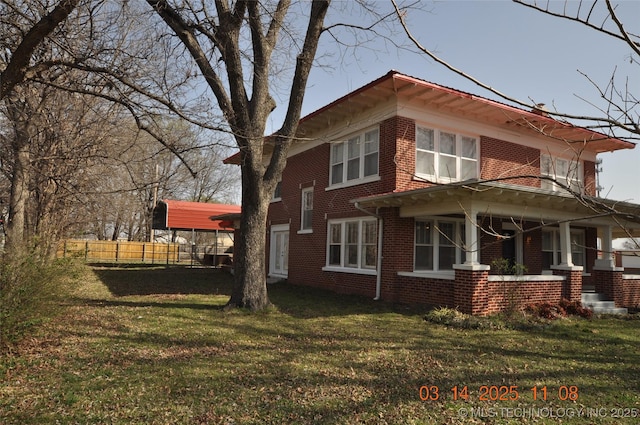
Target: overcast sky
(521, 52)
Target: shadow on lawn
(295, 300)
(124, 281)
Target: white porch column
(565, 245)
(607, 262)
(471, 235)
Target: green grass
(152, 345)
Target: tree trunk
(16, 242)
(250, 278)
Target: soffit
(508, 201)
(424, 94)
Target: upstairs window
(564, 172)
(306, 215)
(444, 156)
(356, 158)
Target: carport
(171, 215)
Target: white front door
(279, 257)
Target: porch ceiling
(519, 202)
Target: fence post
(86, 250)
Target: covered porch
(561, 243)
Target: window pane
(424, 258)
(448, 143)
(547, 241)
(307, 219)
(546, 167)
(371, 142)
(469, 147)
(371, 164)
(423, 232)
(562, 167)
(351, 256)
(447, 257)
(352, 232)
(468, 169)
(425, 163)
(353, 169)
(447, 166)
(547, 260)
(353, 149)
(425, 139)
(369, 256)
(369, 232)
(447, 233)
(337, 153)
(334, 255)
(336, 174)
(285, 260)
(336, 233)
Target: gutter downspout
(379, 259)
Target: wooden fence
(123, 251)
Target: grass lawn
(152, 346)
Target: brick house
(408, 191)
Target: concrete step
(590, 297)
(606, 310)
(598, 303)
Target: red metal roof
(183, 215)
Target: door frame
(277, 229)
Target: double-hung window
(352, 244)
(551, 253)
(356, 158)
(561, 172)
(444, 156)
(306, 215)
(439, 244)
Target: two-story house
(408, 191)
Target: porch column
(607, 261)
(565, 245)
(471, 235)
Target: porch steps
(598, 303)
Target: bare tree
(233, 46)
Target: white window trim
(345, 160)
(575, 173)
(361, 269)
(435, 238)
(436, 155)
(303, 192)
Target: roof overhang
(411, 90)
(517, 203)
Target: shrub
(30, 291)
(547, 310)
(456, 319)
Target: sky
(521, 52)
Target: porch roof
(517, 202)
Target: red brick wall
(420, 291)
(501, 159)
(630, 293)
(514, 294)
(589, 178)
